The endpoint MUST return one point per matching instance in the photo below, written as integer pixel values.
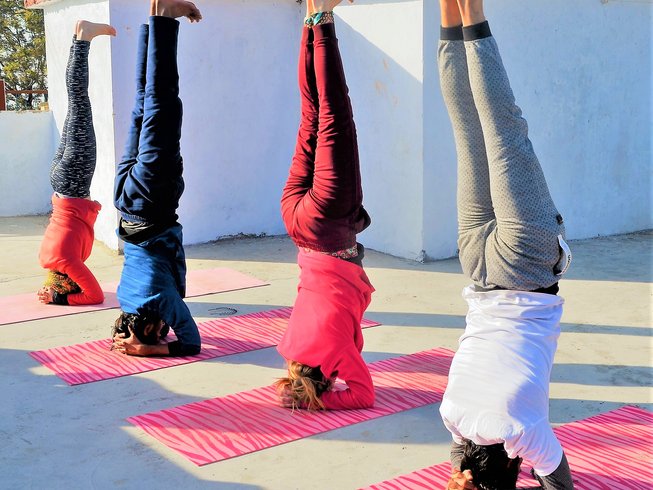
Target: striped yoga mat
(94, 361)
(222, 428)
(611, 451)
(26, 307)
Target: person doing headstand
(322, 210)
(510, 237)
(148, 186)
(68, 239)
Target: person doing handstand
(148, 186)
(510, 237)
(68, 239)
(322, 210)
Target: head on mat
(490, 466)
(61, 283)
(149, 328)
(303, 386)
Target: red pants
(322, 200)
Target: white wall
(581, 73)
(382, 51)
(25, 157)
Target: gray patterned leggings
(508, 226)
(74, 162)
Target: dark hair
(491, 467)
(128, 322)
(305, 385)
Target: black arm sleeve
(177, 349)
(560, 479)
(59, 299)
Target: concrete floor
(57, 436)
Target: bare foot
(175, 8)
(86, 30)
(326, 5)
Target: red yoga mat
(611, 451)
(26, 307)
(222, 428)
(94, 361)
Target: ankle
(473, 16)
(319, 18)
(323, 18)
(160, 9)
(450, 14)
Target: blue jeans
(149, 179)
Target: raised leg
(337, 193)
(149, 183)
(74, 163)
(300, 177)
(337, 187)
(475, 211)
(64, 131)
(524, 251)
(123, 202)
(322, 204)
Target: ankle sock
(477, 31)
(319, 18)
(454, 33)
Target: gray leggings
(508, 226)
(73, 165)
(560, 479)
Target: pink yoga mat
(94, 361)
(611, 451)
(26, 307)
(223, 428)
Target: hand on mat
(461, 480)
(45, 295)
(130, 345)
(285, 399)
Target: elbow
(368, 400)
(92, 299)
(192, 350)
(96, 298)
(363, 400)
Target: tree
(22, 53)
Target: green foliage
(22, 53)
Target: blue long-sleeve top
(154, 279)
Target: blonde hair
(305, 385)
(61, 283)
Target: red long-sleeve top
(68, 242)
(325, 327)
